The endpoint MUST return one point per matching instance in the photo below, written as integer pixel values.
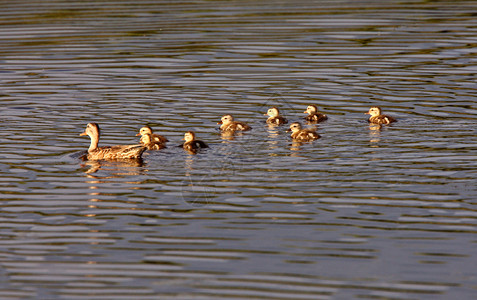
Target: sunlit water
(363, 212)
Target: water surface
(364, 212)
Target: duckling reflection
(375, 133)
(189, 165)
(295, 146)
(273, 135)
(230, 135)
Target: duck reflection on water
(115, 168)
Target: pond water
(363, 212)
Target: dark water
(360, 213)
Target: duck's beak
(138, 134)
(288, 130)
(84, 133)
(265, 114)
(219, 122)
(367, 113)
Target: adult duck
(109, 152)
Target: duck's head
(144, 130)
(273, 112)
(294, 127)
(374, 111)
(92, 129)
(311, 109)
(189, 136)
(226, 119)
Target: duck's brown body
(109, 152)
(277, 120)
(116, 152)
(316, 118)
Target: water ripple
(363, 212)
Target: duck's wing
(319, 117)
(389, 119)
(307, 135)
(322, 117)
(201, 144)
(242, 126)
(313, 135)
(382, 119)
(159, 138)
(316, 118)
(117, 152)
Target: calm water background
(360, 213)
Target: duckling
(377, 118)
(302, 135)
(109, 152)
(227, 123)
(150, 144)
(191, 144)
(155, 137)
(274, 117)
(313, 115)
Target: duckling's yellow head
(374, 111)
(144, 130)
(226, 119)
(294, 127)
(273, 112)
(189, 136)
(92, 129)
(311, 109)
